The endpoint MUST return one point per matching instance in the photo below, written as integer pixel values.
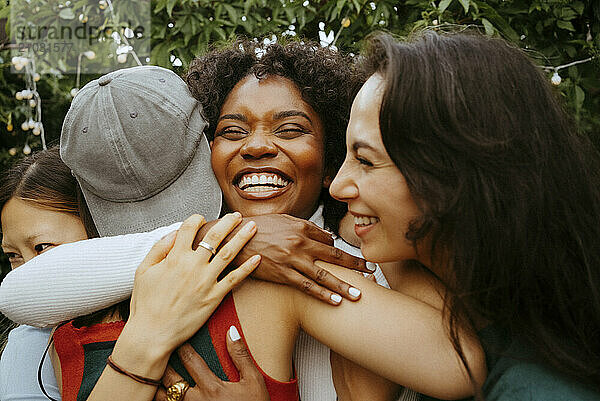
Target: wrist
(140, 352)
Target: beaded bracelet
(137, 378)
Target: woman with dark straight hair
(40, 209)
(460, 157)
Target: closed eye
(290, 132)
(364, 161)
(232, 133)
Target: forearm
(136, 352)
(395, 336)
(75, 279)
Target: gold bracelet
(137, 378)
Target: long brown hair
(509, 191)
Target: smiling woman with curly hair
(326, 79)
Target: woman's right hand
(176, 290)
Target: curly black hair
(327, 80)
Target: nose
(258, 145)
(343, 187)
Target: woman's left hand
(176, 290)
(251, 386)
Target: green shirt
(514, 376)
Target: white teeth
(365, 220)
(269, 180)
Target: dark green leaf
(444, 5)
(579, 97)
(565, 25)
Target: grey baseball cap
(134, 139)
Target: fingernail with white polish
(355, 292)
(234, 334)
(336, 298)
(371, 266)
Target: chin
(381, 254)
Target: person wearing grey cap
(295, 178)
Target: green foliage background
(553, 32)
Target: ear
(327, 181)
(210, 143)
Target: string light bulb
(19, 95)
(12, 151)
(556, 79)
(26, 149)
(25, 126)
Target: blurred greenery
(553, 32)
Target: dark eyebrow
(290, 113)
(239, 117)
(360, 144)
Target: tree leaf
(579, 97)
(578, 6)
(66, 13)
(489, 28)
(444, 5)
(465, 4)
(170, 5)
(565, 25)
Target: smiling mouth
(262, 182)
(364, 221)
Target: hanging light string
(556, 79)
(122, 35)
(32, 97)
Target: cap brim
(194, 191)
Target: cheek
(308, 160)
(221, 155)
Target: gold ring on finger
(176, 392)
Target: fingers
(218, 232)
(229, 251)
(310, 287)
(161, 394)
(170, 377)
(325, 279)
(195, 366)
(238, 351)
(318, 234)
(158, 252)
(236, 276)
(337, 256)
(187, 232)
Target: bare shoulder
(414, 280)
(268, 325)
